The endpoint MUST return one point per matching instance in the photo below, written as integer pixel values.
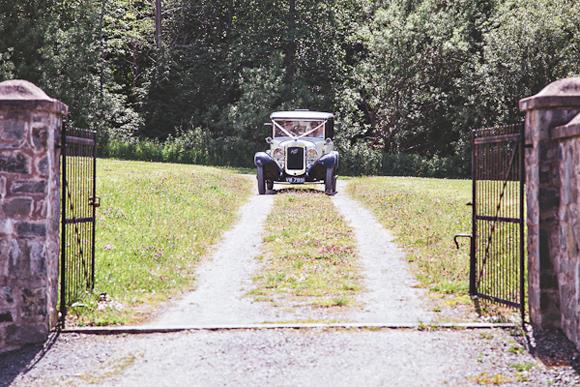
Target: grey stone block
(42, 166)
(40, 138)
(13, 128)
(37, 254)
(6, 294)
(26, 334)
(28, 186)
(5, 317)
(14, 163)
(33, 303)
(18, 208)
(2, 187)
(27, 229)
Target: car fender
(272, 170)
(329, 160)
(318, 169)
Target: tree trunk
(290, 49)
(158, 23)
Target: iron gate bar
(499, 218)
(497, 262)
(498, 138)
(494, 219)
(79, 220)
(78, 215)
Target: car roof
(304, 114)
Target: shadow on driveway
(21, 361)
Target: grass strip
(309, 254)
(155, 223)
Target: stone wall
(552, 188)
(568, 257)
(30, 124)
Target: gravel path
(282, 358)
(391, 294)
(225, 277)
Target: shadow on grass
(21, 361)
(291, 190)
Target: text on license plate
(295, 180)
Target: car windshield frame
(299, 128)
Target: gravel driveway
(391, 292)
(389, 295)
(284, 358)
(225, 277)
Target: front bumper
(315, 173)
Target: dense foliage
(407, 79)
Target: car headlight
(312, 154)
(278, 154)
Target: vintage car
(301, 151)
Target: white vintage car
(301, 151)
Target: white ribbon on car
(302, 135)
(284, 130)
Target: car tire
(261, 181)
(269, 185)
(329, 182)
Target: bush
(189, 147)
(402, 164)
(196, 147)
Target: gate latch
(460, 236)
(95, 201)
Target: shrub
(195, 146)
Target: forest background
(407, 79)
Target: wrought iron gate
(78, 204)
(497, 256)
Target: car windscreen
(298, 128)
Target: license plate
(295, 180)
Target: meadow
(155, 224)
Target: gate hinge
(95, 202)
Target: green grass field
(155, 223)
(309, 253)
(424, 215)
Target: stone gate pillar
(30, 124)
(553, 206)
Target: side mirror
(328, 141)
(269, 140)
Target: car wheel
(261, 181)
(329, 182)
(270, 185)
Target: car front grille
(295, 158)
